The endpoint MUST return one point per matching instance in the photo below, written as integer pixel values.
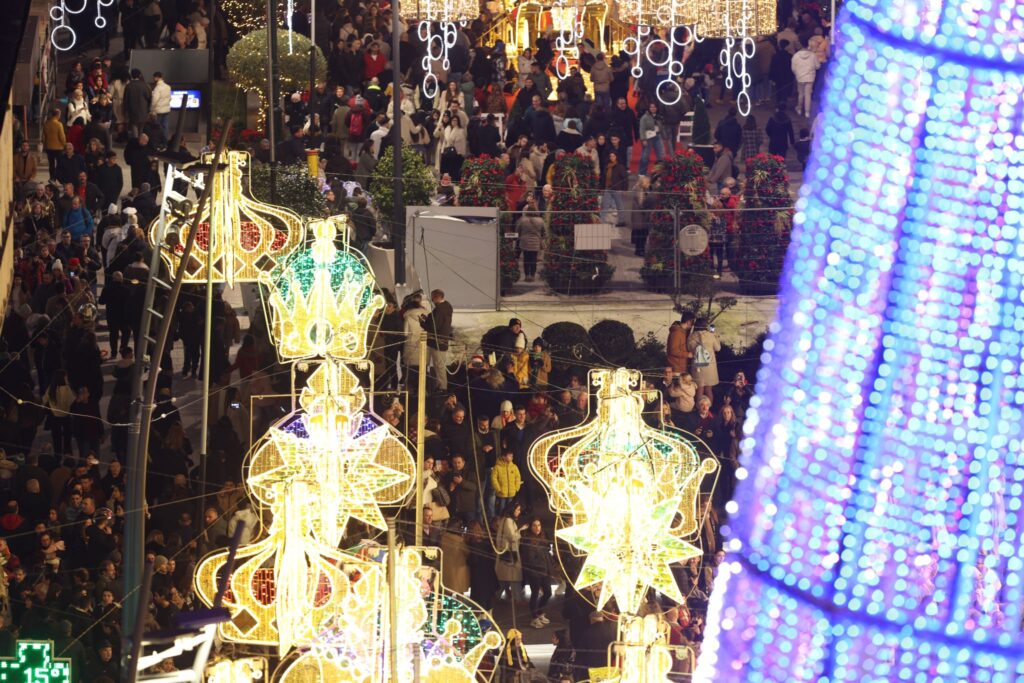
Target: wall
(7, 244)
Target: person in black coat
(625, 124)
(483, 582)
(780, 132)
(780, 71)
(593, 649)
(136, 154)
(69, 165)
(729, 133)
(539, 124)
(190, 331)
(110, 179)
(488, 138)
(114, 298)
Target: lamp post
(398, 214)
(272, 75)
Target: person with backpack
(704, 344)
(358, 122)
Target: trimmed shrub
(614, 342)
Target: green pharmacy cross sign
(35, 663)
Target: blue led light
(878, 529)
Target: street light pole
(398, 215)
(272, 94)
(312, 64)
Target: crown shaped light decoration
(654, 476)
(321, 299)
(249, 237)
(441, 630)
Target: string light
(654, 476)
(33, 660)
(883, 501)
(245, 15)
(249, 238)
(321, 299)
(59, 15)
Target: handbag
(509, 556)
(441, 496)
(450, 150)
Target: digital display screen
(192, 101)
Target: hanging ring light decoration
(438, 31)
(660, 52)
(567, 21)
(738, 22)
(738, 48)
(59, 14)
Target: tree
(680, 187)
(296, 189)
(483, 184)
(418, 182)
(247, 62)
(566, 269)
(764, 225)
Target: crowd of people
(66, 353)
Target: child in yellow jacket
(506, 480)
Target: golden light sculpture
(659, 13)
(643, 651)
(735, 18)
(248, 237)
(353, 646)
(315, 469)
(353, 462)
(654, 476)
(321, 299)
(284, 585)
(241, 670)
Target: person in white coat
(160, 104)
(78, 108)
(805, 69)
(435, 495)
(245, 514)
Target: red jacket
(373, 66)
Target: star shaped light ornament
(352, 462)
(626, 493)
(629, 546)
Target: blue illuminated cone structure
(877, 534)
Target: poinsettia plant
(765, 224)
(576, 200)
(679, 186)
(483, 184)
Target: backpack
(701, 356)
(355, 126)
